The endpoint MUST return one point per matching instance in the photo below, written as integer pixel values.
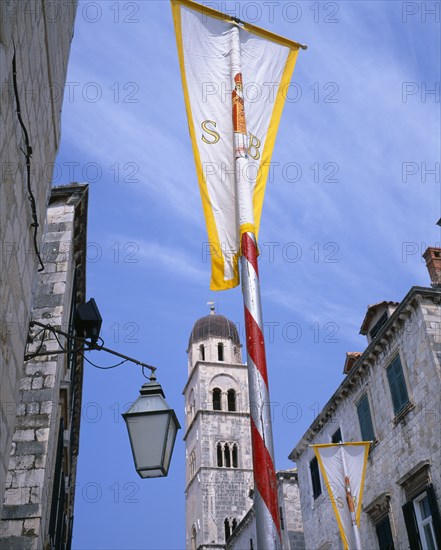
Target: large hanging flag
(228, 114)
(343, 468)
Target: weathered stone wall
(291, 513)
(245, 536)
(42, 39)
(46, 392)
(403, 442)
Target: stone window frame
(230, 525)
(194, 535)
(320, 478)
(397, 417)
(220, 352)
(379, 510)
(191, 406)
(232, 402)
(222, 458)
(219, 392)
(416, 482)
(309, 455)
(192, 463)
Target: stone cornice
(201, 412)
(369, 357)
(211, 364)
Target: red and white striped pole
(265, 484)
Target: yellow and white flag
(343, 468)
(221, 105)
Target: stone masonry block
(13, 528)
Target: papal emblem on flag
(343, 467)
(230, 114)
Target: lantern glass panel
(147, 437)
(171, 436)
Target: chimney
(433, 264)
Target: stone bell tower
(219, 473)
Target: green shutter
(384, 535)
(315, 478)
(365, 419)
(434, 510)
(411, 526)
(397, 384)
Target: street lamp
(152, 425)
(152, 428)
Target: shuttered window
(423, 521)
(384, 534)
(365, 419)
(397, 385)
(315, 478)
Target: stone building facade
(219, 478)
(40, 483)
(245, 536)
(35, 37)
(391, 396)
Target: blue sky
(350, 209)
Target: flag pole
(265, 484)
(350, 501)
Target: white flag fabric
(330, 460)
(214, 100)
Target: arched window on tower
(193, 538)
(227, 529)
(220, 352)
(192, 464)
(217, 399)
(231, 395)
(219, 455)
(230, 525)
(202, 352)
(234, 455)
(227, 456)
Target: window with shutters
(423, 514)
(376, 328)
(423, 521)
(397, 385)
(365, 419)
(315, 478)
(384, 534)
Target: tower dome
(214, 326)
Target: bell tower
(219, 472)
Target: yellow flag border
(366, 445)
(218, 281)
